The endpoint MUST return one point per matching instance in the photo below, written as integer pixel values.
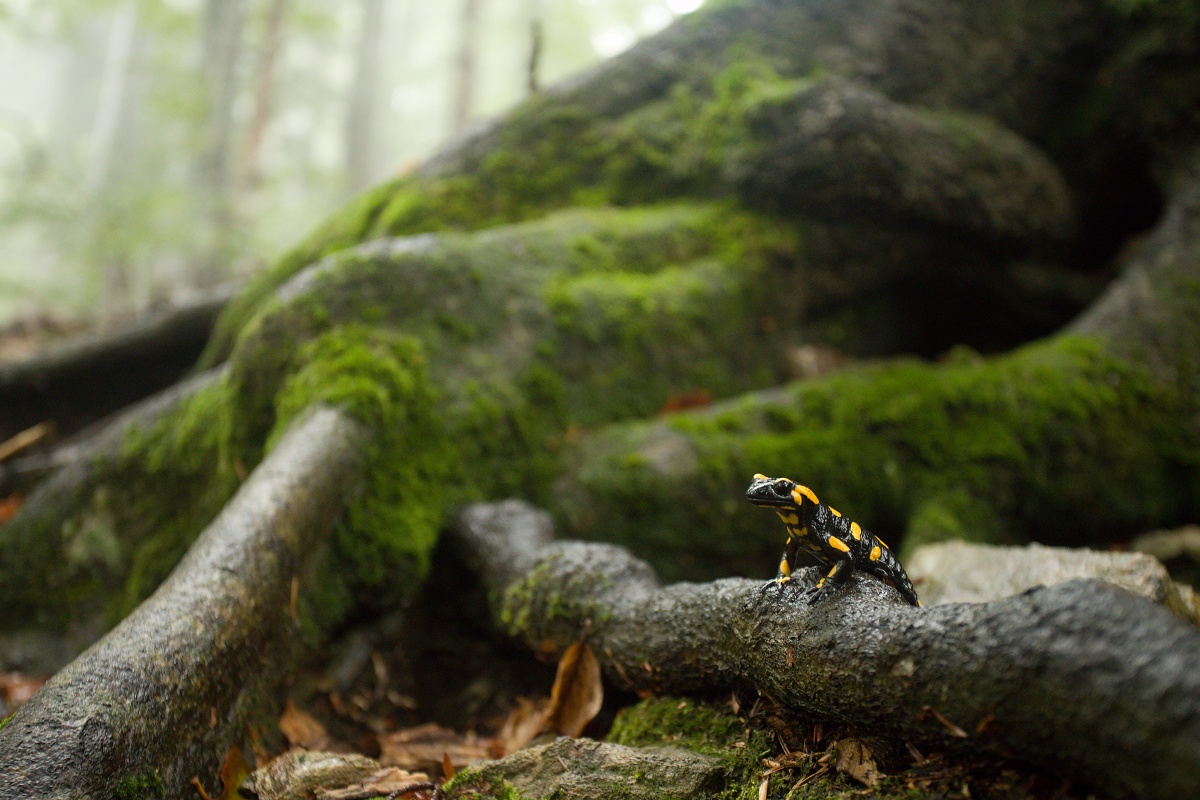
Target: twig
(25, 439)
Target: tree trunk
(220, 61)
(464, 73)
(264, 91)
(360, 119)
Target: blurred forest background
(153, 147)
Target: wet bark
(86, 379)
(179, 681)
(1083, 679)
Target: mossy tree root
(163, 696)
(1083, 678)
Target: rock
(583, 769)
(958, 572)
(297, 773)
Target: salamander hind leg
(837, 577)
(884, 565)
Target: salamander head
(780, 493)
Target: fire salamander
(832, 539)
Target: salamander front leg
(786, 562)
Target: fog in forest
(150, 148)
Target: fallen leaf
(233, 771)
(302, 729)
(421, 749)
(9, 507)
(381, 784)
(16, 688)
(447, 767)
(578, 692)
(523, 723)
(697, 398)
(299, 773)
(854, 759)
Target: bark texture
(1083, 678)
(164, 695)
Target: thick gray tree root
(1083, 679)
(163, 696)
(87, 378)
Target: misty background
(151, 148)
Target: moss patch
(1058, 440)
(384, 544)
(146, 785)
(547, 155)
(701, 728)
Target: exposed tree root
(164, 695)
(1082, 678)
(95, 375)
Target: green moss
(1059, 440)
(171, 480)
(549, 603)
(468, 785)
(379, 377)
(547, 155)
(702, 728)
(147, 785)
(4, 722)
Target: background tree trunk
(264, 90)
(360, 118)
(463, 97)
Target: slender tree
(360, 119)
(264, 91)
(221, 52)
(464, 84)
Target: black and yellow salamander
(832, 539)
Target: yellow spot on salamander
(832, 570)
(876, 553)
(882, 542)
(788, 519)
(855, 530)
(801, 492)
(758, 476)
(785, 569)
(838, 544)
(820, 583)
(834, 511)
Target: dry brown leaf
(421, 749)
(524, 722)
(382, 783)
(16, 688)
(854, 759)
(9, 507)
(578, 692)
(302, 729)
(447, 767)
(234, 770)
